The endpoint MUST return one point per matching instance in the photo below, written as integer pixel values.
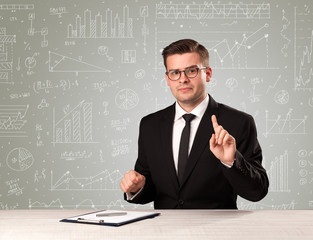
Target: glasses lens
(191, 72)
(173, 75)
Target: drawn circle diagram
(302, 163)
(103, 50)
(282, 97)
(140, 74)
(126, 99)
(303, 181)
(302, 153)
(20, 159)
(303, 173)
(30, 62)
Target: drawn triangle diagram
(61, 63)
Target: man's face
(188, 92)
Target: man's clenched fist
(132, 182)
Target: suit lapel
(167, 135)
(202, 138)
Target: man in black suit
(222, 156)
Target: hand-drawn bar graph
(102, 26)
(213, 11)
(6, 56)
(278, 174)
(75, 126)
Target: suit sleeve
(247, 176)
(147, 194)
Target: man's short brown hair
(186, 46)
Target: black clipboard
(111, 217)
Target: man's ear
(208, 72)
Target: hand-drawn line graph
(103, 181)
(213, 11)
(53, 204)
(286, 125)
(278, 174)
(12, 120)
(226, 54)
(6, 56)
(117, 204)
(75, 126)
(303, 47)
(228, 49)
(87, 203)
(61, 63)
(273, 86)
(87, 27)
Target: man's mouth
(184, 89)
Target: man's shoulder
(228, 113)
(228, 109)
(160, 114)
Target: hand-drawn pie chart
(126, 99)
(20, 159)
(282, 97)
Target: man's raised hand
(222, 144)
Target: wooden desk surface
(171, 224)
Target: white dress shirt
(179, 124)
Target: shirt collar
(197, 111)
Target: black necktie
(184, 146)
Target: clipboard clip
(89, 220)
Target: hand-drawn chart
(20, 159)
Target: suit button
(181, 202)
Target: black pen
(111, 214)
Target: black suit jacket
(207, 183)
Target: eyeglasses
(190, 72)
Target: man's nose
(183, 77)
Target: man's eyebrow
(175, 69)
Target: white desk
(171, 224)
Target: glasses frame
(198, 68)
